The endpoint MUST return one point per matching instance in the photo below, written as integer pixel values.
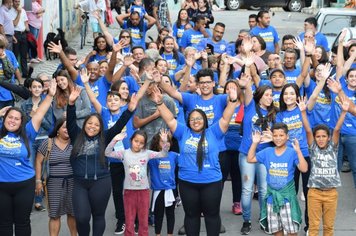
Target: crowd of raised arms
(164, 123)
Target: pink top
(33, 19)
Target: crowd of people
(163, 123)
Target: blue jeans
(34, 31)
(347, 145)
(35, 145)
(248, 172)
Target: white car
(332, 20)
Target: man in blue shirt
(311, 23)
(266, 31)
(137, 26)
(219, 44)
(193, 36)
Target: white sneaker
(302, 198)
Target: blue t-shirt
(249, 125)
(100, 88)
(275, 96)
(187, 161)
(97, 58)
(233, 135)
(132, 84)
(162, 172)
(178, 32)
(15, 164)
(292, 76)
(320, 114)
(320, 40)
(293, 119)
(138, 35)
(191, 37)
(213, 107)
(5, 95)
(349, 125)
(269, 35)
(173, 63)
(219, 47)
(280, 169)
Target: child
(280, 210)
(137, 5)
(136, 186)
(162, 175)
(324, 176)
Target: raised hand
(232, 92)
(163, 133)
(247, 44)
(120, 45)
(74, 95)
(120, 136)
(157, 95)
(302, 104)
(342, 36)
(52, 88)
(256, 137)
(295, 145)
(266, 136)
(55, 48)
(4, 110)
(298, 43)
(197, 55)
(96, 15)
(204, 55)
(345, 104)
(244, 80)
(325, 73)
(334, 85)
(249, 60)
(84, 75)
(309, 47)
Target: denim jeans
(248, 172)
(34, 31)
(347, 145)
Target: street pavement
(286, 23)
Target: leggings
(305, 178)
(117, 179)
(90, 198)
(159, 212)
(16, 200)
(229, 163)
(200, 198)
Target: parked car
(288, 5)
(350, 35)
(332, 20)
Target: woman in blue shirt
(179, 25)
(199, 170)
(101, 50)
(171, 55)
(17, 175)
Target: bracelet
(159, 103)
(235, 100)
(308, 55)
(38, 181)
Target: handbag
(45, 169)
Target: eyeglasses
(205, 82)
(196, 119)
(123, 36)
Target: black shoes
(246, 228)
(120, 228)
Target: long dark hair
(325, 89)
(142, 133)
(21, 132)
(282, 104)
(175, 52)
(82, 137)
(201, 143)
(155, 142)
(271, 109)
(179, 21)
(57, 126)
(128, 32)
(96, 48)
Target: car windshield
(333, 24)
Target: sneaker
(120, 228)
(236, 208)
(246, 228)
(345, 167)
(222, 229)
(181, 230)
(136, 228)
(151, 219)
(39, 208)
(302, 198)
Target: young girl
(324, 176)
(169, 52)
(136, 194)
(163, 183)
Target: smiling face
(168, 45)
(62, 82)
(290, 97)
(13, 121)
(318, 72)
(36, 89)
(124, 91)
(278, 80)
(93, 70)
(92, 126)
(206, 85)
(101, 43)
(183, 15)
(196, 122)
(162, 67)
(103, 68)
(266, 99)
(113, 102)
(351, 79)
(279, 137)
(137, 143)
(63, 132)
(318, 53)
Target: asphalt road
(285, 23)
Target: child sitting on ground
(281, 210)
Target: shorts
(282, 220)
(95, 27)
